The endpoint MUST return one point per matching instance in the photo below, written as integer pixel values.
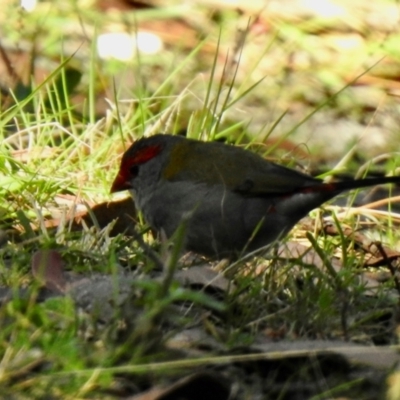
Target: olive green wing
(239, 170)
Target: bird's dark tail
(341, 186)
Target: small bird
(234, 200)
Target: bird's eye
(134, 170)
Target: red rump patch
(318, 188)
(322, 187)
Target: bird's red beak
(120, 184)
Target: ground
(93, 304)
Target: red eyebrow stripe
(145, 154)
